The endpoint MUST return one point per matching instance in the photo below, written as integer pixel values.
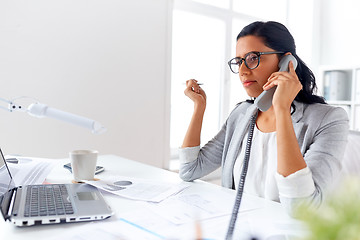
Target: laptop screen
(6, 182)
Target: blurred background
(123, 63)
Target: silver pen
(197, 84)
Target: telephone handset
(264, 101)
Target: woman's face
(254, 79)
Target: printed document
(186, 207)
(29, 171)
(138, 189)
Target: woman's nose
(243, 69)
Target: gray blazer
(321, 131)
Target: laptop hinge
(8, 203)
(12, 202)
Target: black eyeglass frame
(241, 60)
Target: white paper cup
(83, 163)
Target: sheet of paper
(115, 230)
(30, 170)
(146, 220)
(271, 228)
(138, 224)
(138, 189)
(185, 208)
(143, 224)
(216, 228)
(150, 221)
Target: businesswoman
(297, 144)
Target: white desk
(266, 215)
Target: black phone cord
(240, 189)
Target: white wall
(340, 32)
(103, 59)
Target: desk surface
(269, 213)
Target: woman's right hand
(195, 93)
(198, 96)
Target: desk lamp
(41, 110)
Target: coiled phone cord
(240, 190)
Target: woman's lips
(248, 83)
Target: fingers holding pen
(193, 88)
(195, 92)
(193, 85)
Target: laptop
(49, 203)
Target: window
(236, 91)
(203, 40)
(275, 10)
(198, 52)
(216, 3)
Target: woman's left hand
(288, 86)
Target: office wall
(340, 36)
(102, 59)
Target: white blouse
(262, 178)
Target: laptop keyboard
(47, 200)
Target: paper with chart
(138, 189)
(185, 208)
(28, 171)
(109, 230)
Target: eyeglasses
(251, 59)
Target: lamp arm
(7, 101)
(13, 106)
(41, 110)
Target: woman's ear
(285, 54)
